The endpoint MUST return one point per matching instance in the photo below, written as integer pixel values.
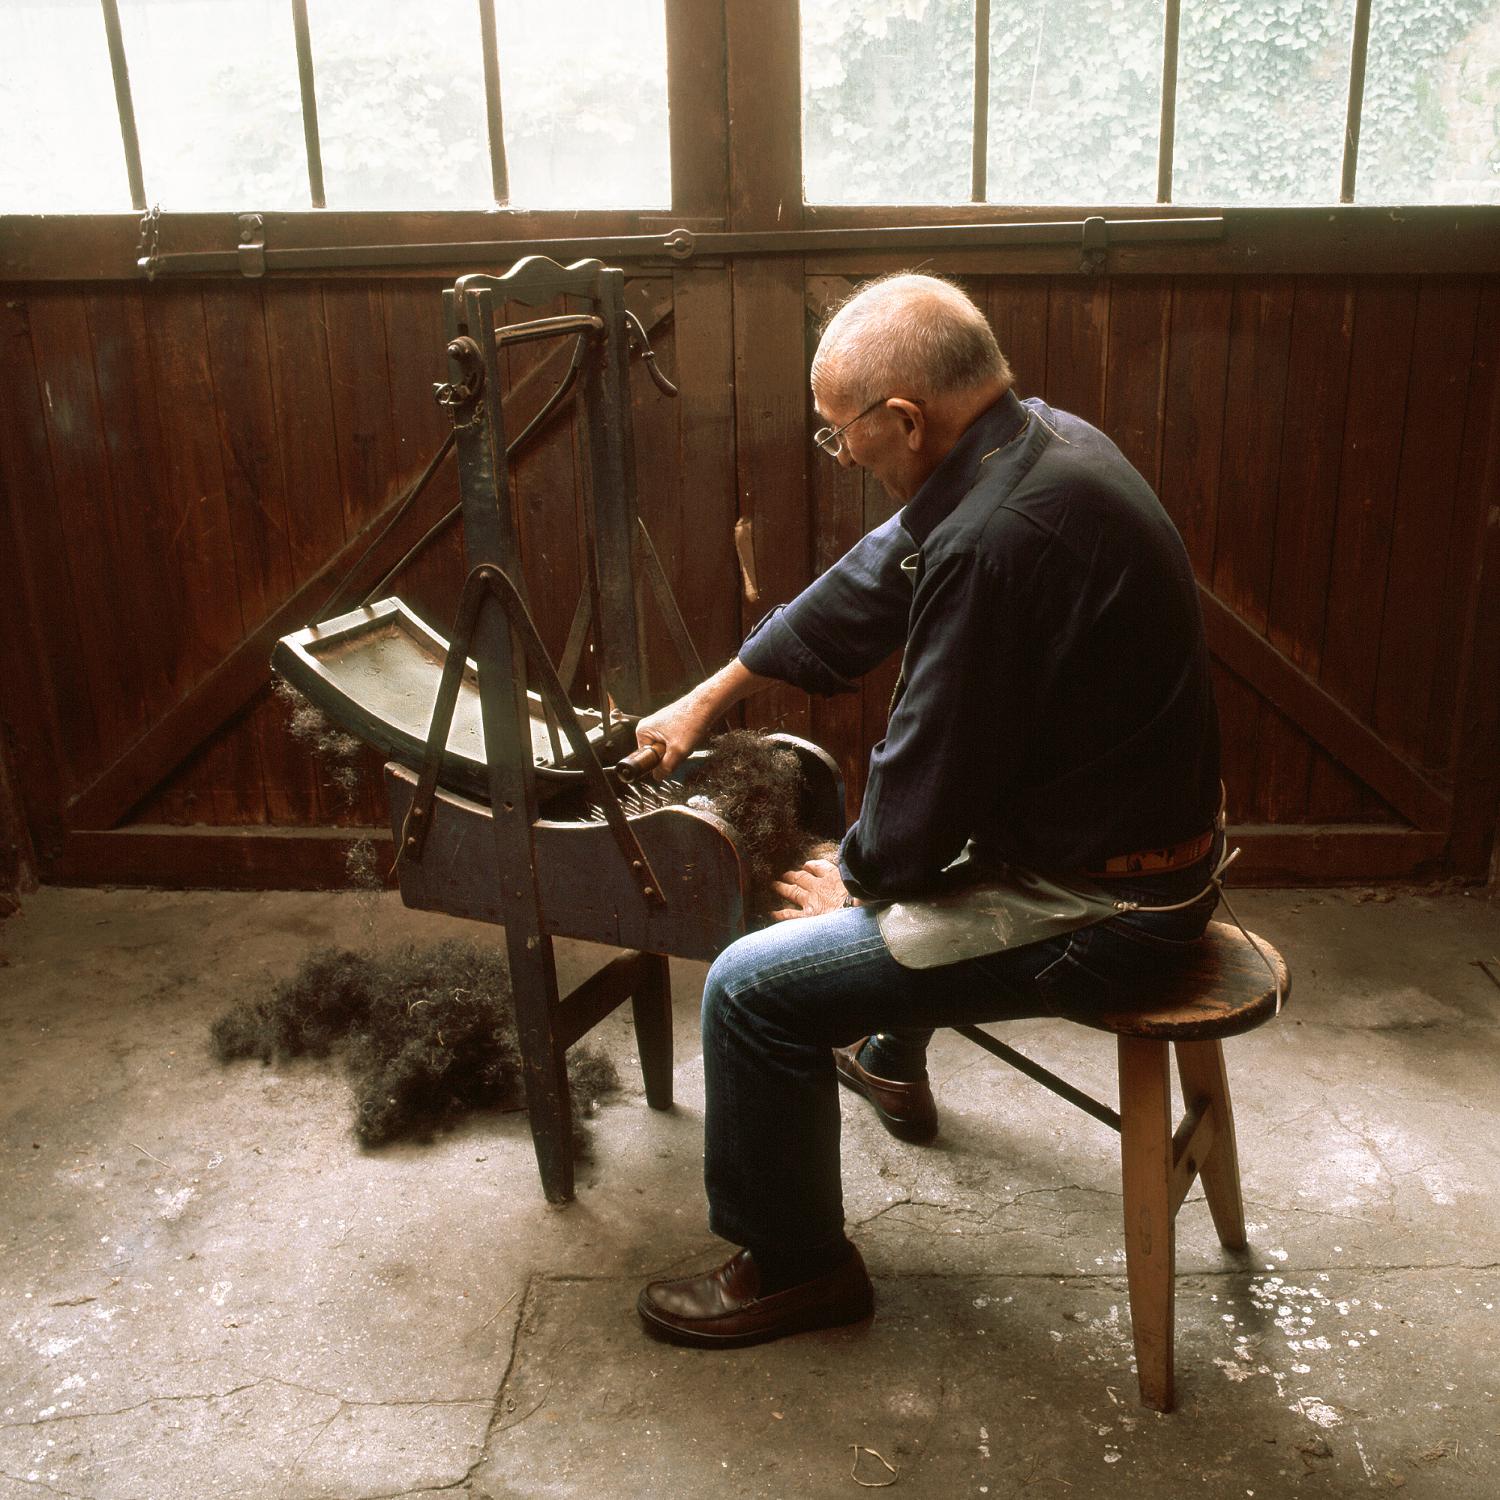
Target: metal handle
(638, 763)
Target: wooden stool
(1225, 990)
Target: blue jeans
(777, 1001)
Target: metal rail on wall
(252, 257)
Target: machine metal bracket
(488, 580)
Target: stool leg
(1200, 1065)
(1150, 1243)
(651, 1008)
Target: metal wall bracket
(252, 246)
(1094, 243)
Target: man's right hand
(679, 728)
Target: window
(354, 104)
(1061, 101)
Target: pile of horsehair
(425, 1036)
(755, 786)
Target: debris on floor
(425, 1034)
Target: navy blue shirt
(1055, 707)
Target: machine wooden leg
(533, 979)
(1200, 1065)
(651, 1006)
(1150, 1243)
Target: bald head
(909, 335)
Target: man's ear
(913, 421)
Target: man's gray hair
(907, 335)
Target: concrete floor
(210, 1291)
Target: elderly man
(1050, 774)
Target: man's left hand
(814, 889)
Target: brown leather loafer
(907, 1110)
(723, 1308)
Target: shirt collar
(954, 477)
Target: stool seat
(1223, 989)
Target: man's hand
(677, 729)
(814, 889)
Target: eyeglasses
(831, 439)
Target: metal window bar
(1166, 140)
(499, 171)
(979, 163)
(1357, 50)
(124, 103)
(309, 104)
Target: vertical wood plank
(697, 106)
(1476, 755)
(297, 348)
(255, 491)
(704, 573)
(202, 547)
(249, 443)
(1077, 340)
(359, 382)
(770, 362)
(1307, 492)
(1244, 537)
(772, 452)
(90, 533)
(1459, 577)
(1135, 384)
(1385, 313)
(297, 354)
(192, 482)
(1193, 420)
(131, 426)
(1017, 309)
(1422, 518)
(46, 710)
(1254, 408)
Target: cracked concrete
(210, 1291)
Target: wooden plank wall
(180, 459)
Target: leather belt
(1174, 857)
(1158, 861)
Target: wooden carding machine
(508, 802)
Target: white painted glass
(216, 103)
(887, 100)
(1075, 100)
(1262, 93)
(584, 94)
(401, 110)
(1430, 126)
(60, 149)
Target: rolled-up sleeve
(843, 624)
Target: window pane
(1430, 127)
(1075, 100)
(1262, 92)
(216, 103)
(887, 100)
(60, 148)
(401, 107)
(583, 88)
